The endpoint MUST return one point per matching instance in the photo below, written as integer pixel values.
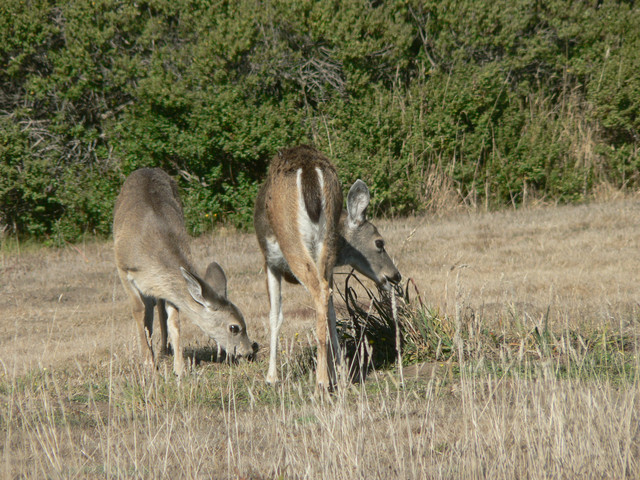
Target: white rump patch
(312, 234)
(321, 183)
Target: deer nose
(254, 350)
(395, 278)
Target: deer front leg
(173, 326)
(274, 286)
(333, 331)
(162, 319)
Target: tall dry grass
(117, 421)
(76, 403)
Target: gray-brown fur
(155, 265)
(305, 242)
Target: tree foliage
(495, 98)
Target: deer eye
(234, 329)
(380, 244)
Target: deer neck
(346, 251)
(168, 283)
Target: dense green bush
(475, 101)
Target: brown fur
(307, 249)
(288, 162)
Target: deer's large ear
(194, 286)
(357, 202)
(216, 279)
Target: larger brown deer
(155, 265)
(303, 234)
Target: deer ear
(216, 279)
(357, 202)
(194, 286)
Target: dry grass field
(544, 308)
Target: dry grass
(75, 403)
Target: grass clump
(376, 338)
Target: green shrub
(489, 102)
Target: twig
(394, 312)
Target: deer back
(148, 227)
(301, 199)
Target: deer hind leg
(142, 312)
(274, 286)
(307, 272)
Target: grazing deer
(155, 265)
(303, 233)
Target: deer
(303, 233)
(155, 265)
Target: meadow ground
(541, 380)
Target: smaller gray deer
(154, 263)
(303, 233)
